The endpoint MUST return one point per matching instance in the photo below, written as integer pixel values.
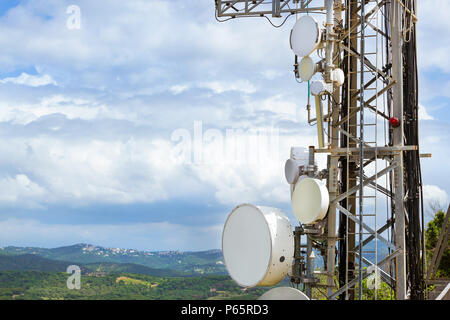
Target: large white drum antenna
(257, 245)
(284, 293)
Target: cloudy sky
(91, 119)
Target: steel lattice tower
(371, 125)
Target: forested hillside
(52, 285)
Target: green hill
(34, 262)
(110, 267)
(31, 262)
(205, 262)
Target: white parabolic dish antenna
(257, 245)
(305, 36)
(310, 200)
(291, 171)
(318, 87)
(306, 68)
(284, 293)
(338, 76)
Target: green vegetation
(433, 231)
(36, 273)
(34, 285)
(39, 274)
(31, 262)
(385, 292)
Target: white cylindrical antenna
(284, 293)
(257, 245)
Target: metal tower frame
(258, 8)
(366, 175)
(366, 90)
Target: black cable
(218, 20)
(278, 26)
(411, 162)
(256, 16)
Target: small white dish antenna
(284, 293)
(320, 87)
(306, 68)
(291, 171)
(305, 36)
(338, 77)
(310, 200)
(257, 245)
(299, 157)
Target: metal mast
(372, 145)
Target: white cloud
(21, 190)
(218, 87)
(78, 172)
(137, 36)
(283, 108)
(423, 114)
(30, 80)
(259, 175)
(433, 48)
(432, 193)
(71, 108)
(272, 74)
(177, 89)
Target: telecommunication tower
(364, 212)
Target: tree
(432, 233)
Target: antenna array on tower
(366, 120)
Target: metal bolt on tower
(369, 130)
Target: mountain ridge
(192, 262)
(34, 262)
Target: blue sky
(87, 118)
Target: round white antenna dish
(305, 36)
(291, 171)
(257, 245)
(310, 200)
(284, 293)
(318, 87)
(306, 68)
